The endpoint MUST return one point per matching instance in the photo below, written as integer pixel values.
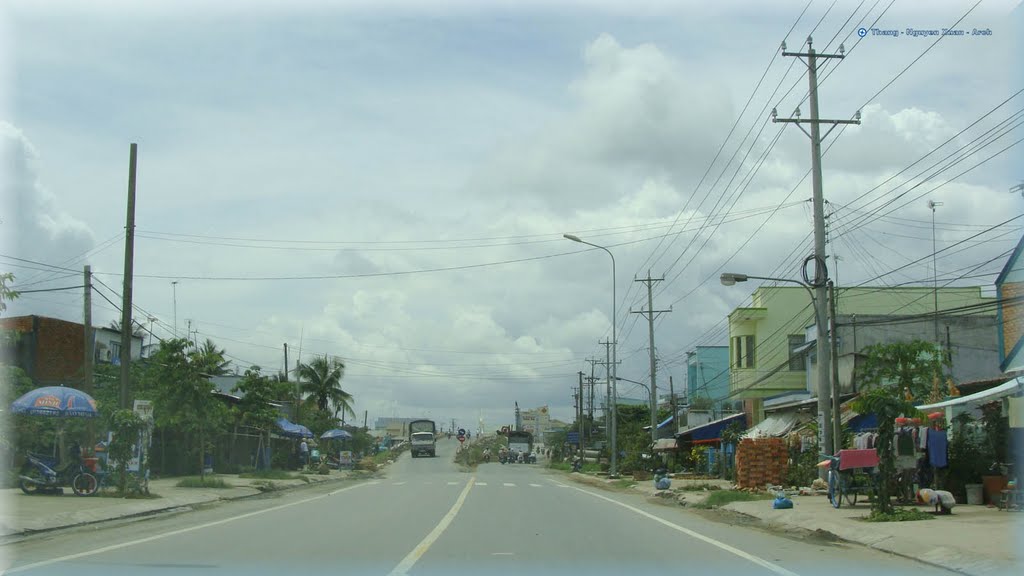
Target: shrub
(367, 464)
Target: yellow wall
(787, 311)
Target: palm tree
(321, 380)
(138, 330)
(210, 360)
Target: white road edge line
(732, 550)
(113, 547)
(412, 557)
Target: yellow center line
(410, 559)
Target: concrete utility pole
(837, 419)
(579, 409)
(672, 399)
(651, 314)
(87, 368)
(174, 288)
(821, 269)
(126, 298)
(87, 365)
(935, 273)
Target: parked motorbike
(502, 458)
(43, 475)
(577, 464)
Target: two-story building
(52, 351)
(769, 340)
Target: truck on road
(422, 438)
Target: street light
(824, 387)
(613, 468)
(641, 384)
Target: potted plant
(997, 434)
(967, 461)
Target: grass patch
(198, 482)
(129, 495)
(723, 497)
(265, 485)
(588, 467)
(273, 474)
(899, 515)
(623, 483)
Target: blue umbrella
(336, 433)
(56, 401)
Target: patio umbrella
(56, 402)
(336, 433)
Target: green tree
(210, 360)
(902, 366)
(887, 404)
(183, 397)
(137, 330)
(321, 381)
(6, 293)
(255, 408)
(125, 425)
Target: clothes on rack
(938, 448)
(865, 440)
(905, 448)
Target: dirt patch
(734, 518)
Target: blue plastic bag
(663, 483)
(782, 503)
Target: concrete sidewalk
(974, 540)
(22, 514)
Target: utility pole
(126, 298)
(285, 361)
(579, 411)
(672, 396)
(935, 273)
(174, 287)
(821, 269)
(651, 314)
(87, 366)
(837, 420)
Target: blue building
(707, 375)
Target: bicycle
(843, 484)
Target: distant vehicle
(520, 441)
(422, 438)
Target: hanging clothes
(906, 453)
(938, 446)
(922, 436)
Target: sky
(389, 182)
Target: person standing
(303, 454)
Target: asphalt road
(427, 517)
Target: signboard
(573, 438)
(345, 458)
(462, 431)
(144, 408)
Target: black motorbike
(577, 464)
(503, 458)
(43, 475)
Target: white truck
(422, 438)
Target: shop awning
(777, 425)
(711, 430)
(1010, 388)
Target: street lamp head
(731, 278)
(572, 237)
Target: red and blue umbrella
(56, 401)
